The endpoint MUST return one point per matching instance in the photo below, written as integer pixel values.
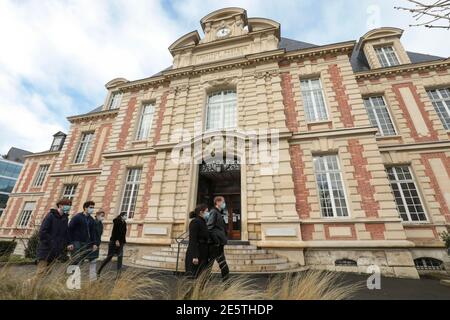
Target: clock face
(223, 32)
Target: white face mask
(100, 218)
(124, 218)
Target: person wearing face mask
(53, 236)
(82, 233)
(218, 236)
(116, 242)
(93, 255)
(197, 250)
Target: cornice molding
(333, 133)
(84, 172)
(416, 146)
(43, 153)
(274, 55)
(129, 153)
(96, 115)
(404, 68)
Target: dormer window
(116, 99)
(58, 141)
(387, 56)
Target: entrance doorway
(223, 179)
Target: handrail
(179, 241)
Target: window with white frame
(331, 188)
(313, 100)
(130, 192)
(145, 122)
(40, 177)
(83, 148)
(409, 203)
(69, 191)
(379, 116)
(57, 143)
(116, 99)
(387, 56)
(441, 102)
(25, 215)
(221, 110)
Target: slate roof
(16, 155)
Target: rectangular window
(69, 191)
(56, 145)
(387, 56)
(379, 116)
(441, 102)
(145, 123)
(221, 110)
(25, 215)
(86, 139)
(331, 189)
(116, 99)
(40, 177)
(406, 195)
(130, 192)
(313, 100)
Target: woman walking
(197, 250)
(116, 242)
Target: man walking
(82, 233)
(93, 256)
(219, 237)
(53, 236)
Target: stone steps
(241, 258)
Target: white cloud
(57, 55)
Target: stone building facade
(362, 136)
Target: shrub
(33, 242)
(7, 248)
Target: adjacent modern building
(358, 172)
(10, 166)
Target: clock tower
(228, 34)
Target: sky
(57, 55)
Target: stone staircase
(241, 258)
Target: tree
(429, 14)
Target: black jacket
(217, 227)
(82, 229)
(198, 245)
(119, 231)
(53, 236)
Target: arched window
(345, 263)
(221, 110)
(426, 263)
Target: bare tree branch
(434, 14)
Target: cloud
(57, 55)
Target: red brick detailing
(307, 231)
(363, 176)
(159, 122)
(433, 134)
(110, 186)
(341, 97)
(127, 123)
(438, 194)
(299, 178)
(148, 186)
(15, 212)
(96, 164)
(376, 230)
(29, 177)
(290, 107)
(327, 232)
(70, 146)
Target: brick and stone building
(363, 161)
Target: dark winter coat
(198, 246)
(217, 227)
(53, 236)
(82, 229)
(119, 231)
